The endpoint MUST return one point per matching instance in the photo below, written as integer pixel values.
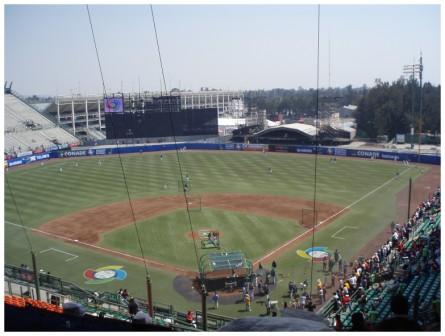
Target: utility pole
(409, 199)
(36, 275)
(150, 297)
(421, 101)
(412, 70)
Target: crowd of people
(407, 253)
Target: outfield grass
(43, 193)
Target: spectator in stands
(400, 320)
(189, 318)
(132, 307)
(346, 302)
(124, 294)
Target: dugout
(225, 270)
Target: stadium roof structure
(298, 133)
(223, 261)
(303, 129)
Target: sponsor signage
(101, 151)
(369, 154)
(390, 156)
(24, 154)
(340, 152)
(253, 147)
(74, 153)
(15, 162)
(42, 156)
(304, 150)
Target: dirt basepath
(85, 227)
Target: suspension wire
(314, 223)
(184, 192)
(118, 149)
(22, 224)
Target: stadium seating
(415, 271)
(27, 130)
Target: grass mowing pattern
(43, 193)
(164, 237)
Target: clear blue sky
(49, 49)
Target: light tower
(414, 70)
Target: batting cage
(209, 239)
(225, 270)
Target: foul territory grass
(165, 238)
(42, 193)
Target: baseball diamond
(84, 212)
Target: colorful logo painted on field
(316, 253)
(104, 274)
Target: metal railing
(20, 281)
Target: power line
(25, 229)
(317, 123)
(174, 138)
(118, 149)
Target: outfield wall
(332, 151)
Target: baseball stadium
(114, 210)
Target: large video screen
(159, 124)
(113, 105)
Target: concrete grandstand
(27, 130)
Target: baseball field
(78, 216)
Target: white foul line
(340, 230)
(73, 256)
(349, 206)
(75, 241)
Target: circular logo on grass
(316, 253)
(104, 274)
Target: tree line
(390, 109)
(384, 109)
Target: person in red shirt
(346, 301)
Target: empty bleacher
(26, 129)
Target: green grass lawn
(164, 238)
(42, 193)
